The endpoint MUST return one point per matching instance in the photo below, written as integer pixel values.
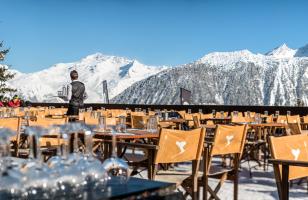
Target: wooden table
(135, 188)
(225, 120)
(130, 134)
(177, 121)
(128, 139)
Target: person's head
(15, 98)
(74, 75)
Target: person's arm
(85, 95)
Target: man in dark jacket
(76, 94)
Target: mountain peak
(225, 58)
(283, 51)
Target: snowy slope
(119, 72)
(235, 78)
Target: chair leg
(205, 187)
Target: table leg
(285, 182)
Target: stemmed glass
(67, 172)
(152, 124)
(10, 175)
(116, 169)
(38, 181)
(92, 170)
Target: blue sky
(165, 32)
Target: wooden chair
(294, 129)
(252, 114)
(95, 121)
(228, 140)
(219, 115)
(290, 160)
(177, 146)
(47, 122)
(239, 119)
(13, 124)
(197, 123)
(138, 121)
(293, 119)
(189, 118)
(239, 114)
(57, 112)
(182, 113)
(49, 140)
(282, 119)
(305, 123)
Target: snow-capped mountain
(119, 72)
(279, 77)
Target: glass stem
(114, 142)
(38, 149)
(89, 145)
(31, 146)
(65, 149)
(75, 150)
(59, 146)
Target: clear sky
(41, 33)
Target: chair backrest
(182, 113)
(152, 113)
(138, 113)
(269, 119)
(229, 139)
(293, 119)
(206, 116)
(47, 122)
(295, 128)
(219, 115)
(57, 111)
(251, 114)
(11, 123)
(293, 147)
(179, 146)
(282, 119)
(110, 121)
(138, 121)
(196, 120)
(305, 119)
(239, 119)
(239, 114)
(118, 112)
(191, 116)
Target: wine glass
(69, 181)
(152, 124)
(92, 170)
(116, 169)
(38, 182)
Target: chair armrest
(289, 162)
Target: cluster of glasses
(7, 112)
(69, 174)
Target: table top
(137, 187)
(177, 120)
(269, 125)
(129, 134)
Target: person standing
(76, 94)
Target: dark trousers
(72, 111)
